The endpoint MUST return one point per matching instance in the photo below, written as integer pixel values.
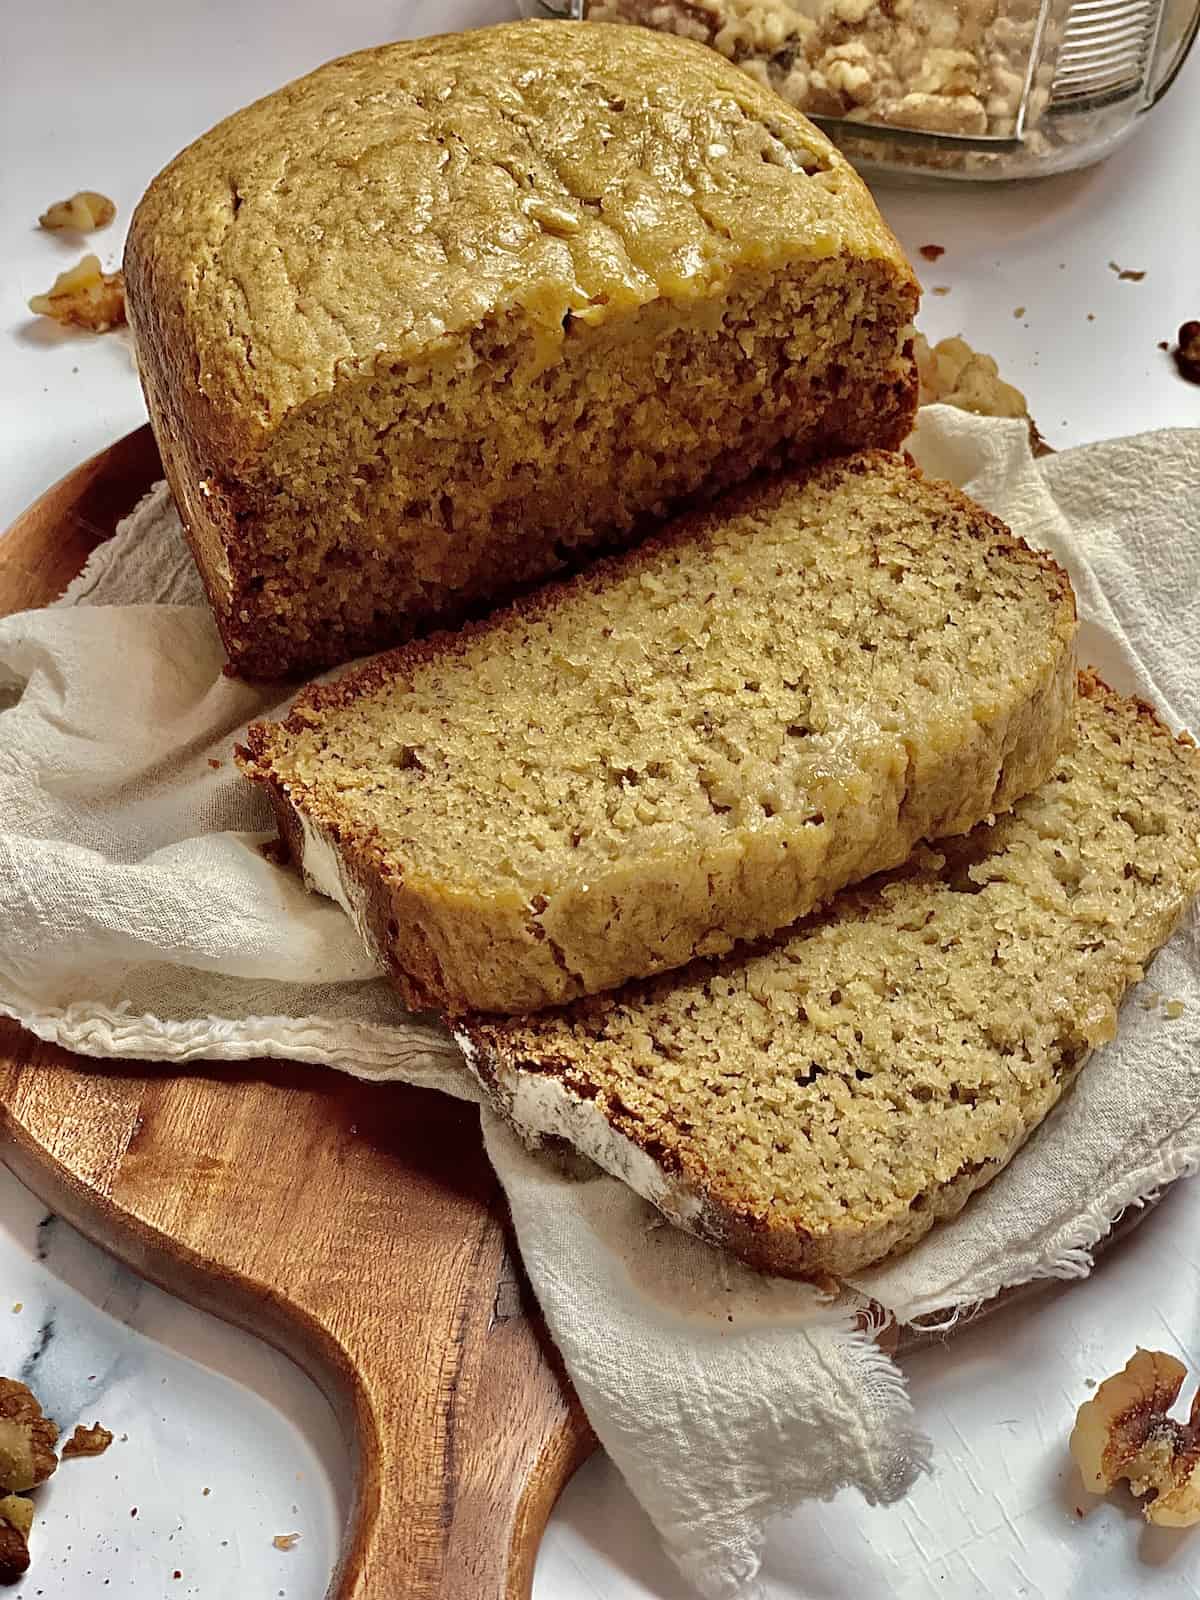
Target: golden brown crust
(276, 372)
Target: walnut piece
(16, 1519)
(84, 296)
(93, 1441)
(1124, 1431)
(1187, 352)
(17, 1511)
(940, 113)
(27, 1439)
(941, 66)
(83, 212)
(953, 374)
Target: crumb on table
(286, 1541)
(933, 252)
(93, 1441)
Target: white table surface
(100, 96)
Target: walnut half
(85, 296)
(16, 1519)
(1124, 1431)
(27, 1439)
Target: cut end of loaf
(392, 506)
(819, 1104)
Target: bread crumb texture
(826, 1099)
(694, 743)
(399, 322)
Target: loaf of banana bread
(428, 323)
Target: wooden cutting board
(357, 1226)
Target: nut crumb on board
(214, 763)
(1187, 352)
(83, 212)
(1124, 1431)
(932, 252)
(93, 1441)
(940, 288)
(1018, 311)
(286, 1541)
(85, 296)
(1128, 274)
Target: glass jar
(954, 88)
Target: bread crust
(242, 374)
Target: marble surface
(220, 1443)
(101, 97)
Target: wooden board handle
(359, 1227)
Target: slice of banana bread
(693, 743)
(822, 1102)
(429, 322)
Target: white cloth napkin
(141, 919)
